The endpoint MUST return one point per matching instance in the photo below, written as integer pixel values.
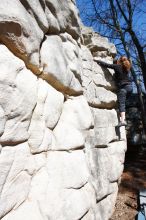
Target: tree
(119, 21)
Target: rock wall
(60, 154)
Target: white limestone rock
(44, 118)
(108, 204)
(116, 151)
(65, 201)
(64, 15)
(75, 119)
(98, 85)
(97, 43)
(15, 177)
(54, 27)
(2, 120)
(23, 27)
(72, 54)
(57, 186)
(37, 9)
(16, 85)
(59, 158)
(94, 72)
(28, 210)
(37, 129)
(101, 43)
(100, 97)
(56, 68)
(62, 167)
(53, 107)
(106, 166)
(90, 215)
(20, 32)
(105, 130)
(101, 168)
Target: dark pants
(123, 91)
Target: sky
(139, 20)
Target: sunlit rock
(61, 153)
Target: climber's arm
(107, 65)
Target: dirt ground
(133, 179)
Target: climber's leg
(122, 93)
(121, 103)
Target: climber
(124, 84)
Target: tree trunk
(140, 54)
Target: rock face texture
(60, 154)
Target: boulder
(61, 153)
